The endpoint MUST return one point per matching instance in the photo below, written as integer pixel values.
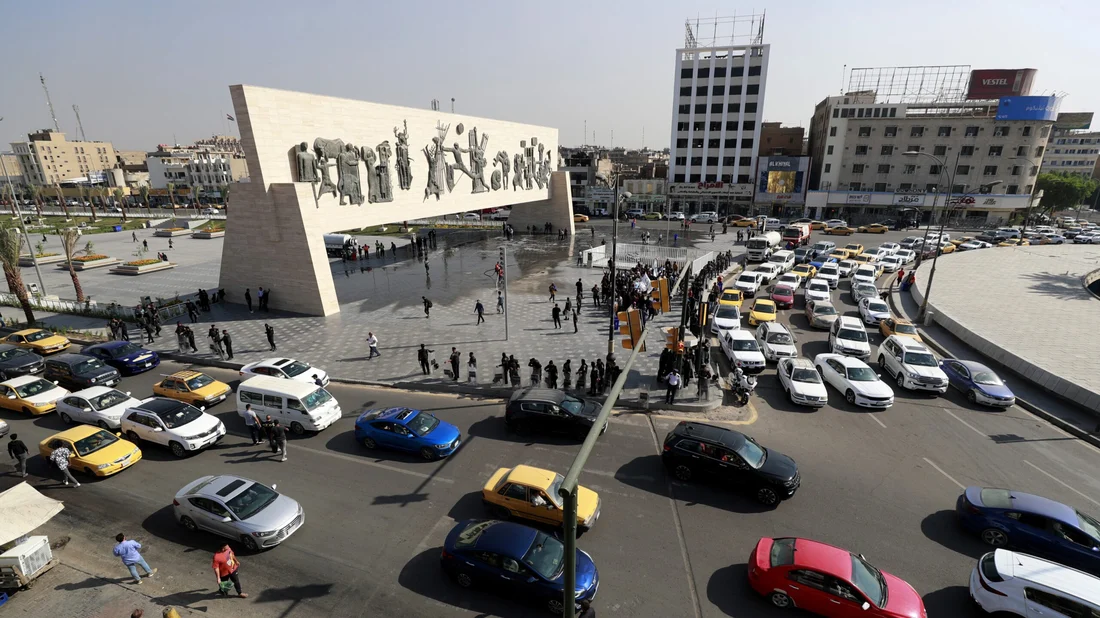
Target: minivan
(77, 371)
(300, 406)
(784, 258)
(1023, 585)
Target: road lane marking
(875, 418)
(374, 464)
(940, 470)
(969, 426)
(1061, 482)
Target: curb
(1069, 428)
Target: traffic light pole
(504, 269)
(614, 270)
(686, 278)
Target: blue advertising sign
(1028, 108)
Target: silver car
(820, 314)
(239, 509)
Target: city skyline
(604, 67)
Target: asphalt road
(879, 483)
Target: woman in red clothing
(225, 567)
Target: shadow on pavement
(294, 594)
(728, 589)
(810, 349)
(951, 601)
(494, 428)
(469, 506)
(771, 391)
(648, 473)
(51, 422)
(186, 598)
(162, 524)
(345, 442)
(91, 582)
(943, 528)
(1065, 287)
(423, 576)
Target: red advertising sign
(997, 83)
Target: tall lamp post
(23, 226)
(611, 181)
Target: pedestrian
(422, 357)
(704, 383)
(427, 271)
(145, 244)
(225, 569)
(471, 369)
(248, 299)
(456, 358)
(500, 302)
(575, 329)
(503, 368)
(134, 236)
(513, 370)
(901, 277)
(536, 371)
(318, 382)
(555, 313)
(372, 343)
(127, 550)
(191, 339)
(192, 312)
(553, 292)
(18, 451)
(582, 373)
(270, 332)
(140, 613)
(594, 374)
(567, 375)
(480, 309)
(673, 381)
(551, 375)
(427, 306)
(216, 343)
(568, 305)
(267, 299)
(268, 427)
(587, 611)
(278, 436)
(60, 458)
(252, 422)
(260, 297)
(227, 341)
(170, 245)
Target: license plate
(148, 364)
(458, 443)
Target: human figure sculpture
(382, 172)
(307, 164)
(517, 176)
(477, 161)
(347, 170)
(369, 160)
(529, 159)
(541, 166)
(404, 164)
(500, 177)
(327, 186)
(328, 153)
(437, 168)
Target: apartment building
(1073, 152)
(48, 158)
(777, 140)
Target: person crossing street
(372, 343)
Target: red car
(783, 296)
(828, 581)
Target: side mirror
(158, 429)
(11, 396)
(202, 408)
(865, 606)
(127, 393)
(274, 485)
(54, 382)
(878, 375)
(86, 409)
(227, 519)
(531, 580)
(897, 358)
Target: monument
(276, 220)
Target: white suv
(181, 427)
(847, 337)
(706, 216)
(748, 283)
(1022, 585)
(911, 364)
(831, 274)
(742, 351)
(775, 341)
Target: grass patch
(143, 262)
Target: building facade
(11, 170)
(777, 140)
(1073, 152)
(48, 159)
(583, 165)
(194, 166)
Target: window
(685, 91)
(877, 114)
(746, 161)
(828, 167)
(939, 151)
(733, 108)
(913, 148)
(944, 132)
(860, 113)
(916, 132)
(714, 142)
(677, 178)
(989, 170)
(930, 187)
(731, 143)
(750, 108)
(749, 125)
(962, 170)
(1012, 189)
(909, 169)
(855, 186)
(884, 168)
(1000, 131)
(729, 161)
(700, 91)
(1039, 151)
(832, 131)
(273, 401)
(698, 125)
(1044, 131)
(719, 71)
(716, 125)
(966, 151)
(890, 132)
(754, 70)
(714, 161)
(731, 125)
(995, 151)
(514, 491)
(694, 178)
(905, 186)
(1021, 151)
(746, 143)
(717, 90)
(1034, 170)
(681, 161)
(704, 73)
(682, 142)
(683, 109)
(836, 112)
(829, 149)
(700, 108)
(738, 71)
(1015, 170)
(812, 579)
(857, 168)
(685, 73)
(887, 149)
(865, 131)
(1062, 605)
(716, 108)
(1027, 189)
(697, 160)
(861, 150)
(1026, 131)
(935, 169)
(971, 132)
(958, 188)
(697, 142)
(752, 89)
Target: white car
(180, 426)
(727, 317)
(676, 216)
(775, 341)
(848, 337)
(705, 217)
(907, 255)
(912, 242)
(970, 245)
(748, 283)
(859, 383)
(1008, 583)
(768, 271)
(471, 216)
(500, 215)
(789, 279)
(911, 364)
(830, 273)
(836, 223)
(863, 290)
(285, 368)
(817, 289)
(845, 267)
(891, 247)
(873, 310)
(742, 350)
(1087, 238)
(891, 264)
(33, 390)
(98, 405)
(211, 211)
(802, 382)
(865, 273)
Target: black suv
(16, 361)
(79, 371)
(699, 449)
(544, 410)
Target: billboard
(712, 189)
(1073, 120)
(997, 83)
(1028, 108)
(782, 179)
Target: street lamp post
(612, 181)
(23, 226)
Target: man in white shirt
(372, 341)
(253, 423)
(673, 386)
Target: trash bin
(118, 228)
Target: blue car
(129, 358)
(1032, 524)
(979, 382)
(405, 429)
(514, 560)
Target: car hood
(826, 319)
(778, 466)
(782, 298)
(997, 390)
(863, 279)
(141, 356)
(878, 388)
(590, 410)
(443, 433)
(811, 295)
(740, 285)
(809, 389)
(105, 371)
(876, 314)
(49, 341)
(587, 575)
(901, 598)
(727, 323)
(782, 348)
(21, 361)
(49, 396)
(275, 515)
(927, 372)
(111, 452)
(744, 355)
(205, 422)
(848, 344)
(116, 411)
(214, 388)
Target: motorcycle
(743, 386)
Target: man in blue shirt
(127, 549)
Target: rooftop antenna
(49, 103)
(435, 105)
(79, 125)
(585, 140)
(842, 71)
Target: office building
(583, 164)
(1073, 148)
(186, 167)
(11, 171)
(48, 158)
(777, 140)
(718, 99)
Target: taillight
(667, 448)
(175, 502)
(973, 510)
(444, 555)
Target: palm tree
(197, 191)
(8, 192)
(172, 194)
(224, 190)
(36, 195)
(143, 190)
(91, 204)
(11, 244)
(117, 192)
(61, 201)
(69, 237)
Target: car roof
(293, 388)
(224, 486)
(531, 476)
(971, 365)
(161, 405)
(27, 331)
(763, 302)
(505, 538)
(95, 391)
(798, 362)
(73, 434)
(776, 326)
(713, 433)
(1035, 504)
(71, 358)
(822, 557)
(186, 374)
(850, 321)
(21, 380)
(1049, 574)
(538, 394)
(909, 343)
(108, 345)
(739, 334)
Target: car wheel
(65, 418)
(850, 396)
(500, 512)
(881, 362)
(27, 411)
(427, 453)
(297, 428)
(901, 379)
(995, 537)
(464, 580)
(555, 605)
(520, 429)
(189, 524)
(249, 543)
(780, 600)
(682, 472)
(103, 425)
(133, 437)
(177, 449)
(767, 496)
(971, 397)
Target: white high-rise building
(717, 112)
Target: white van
(1023, 585)
(299, 406)
(784, 258)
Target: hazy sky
(143, 72)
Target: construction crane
(49, 103)
(79, 125)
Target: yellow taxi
(532, 493)
(862, 258)
(840, 254)
(652, 216)
(901, 328)
(840, 230)
(95, 451)
(1013, 242)
(731, 297)
(197, 389)
(817, 225)
(763, 310)
(946, 247)
(745, 223)
(959, 241)
(806, 271)
(874, 228)
(854, 249)
(30, 395)
(37, 340)
(579, 218)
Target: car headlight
(103, 466)
(912, 375)
(441, 446)
(261, 535)
(92, 381)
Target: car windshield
(906, 329)
(829, 271)
(869, 581)
(849, 264)
(316, 399)
(864, 271)
(422, 424)
(94, 442)
(791, 279)
(545, 555)
(107, 400)
(731, 295)
(750, 279)
(852, 334)
(727, 312)
(780, 339)
(920, 359)
(180, 416)
(89, 365)
(861, 374)
(752, 453)
(572, 405)
(554, 488)
(985, 376)
(295, 368)
(199, 381)
(39, 335)
(30, 389)
(1089, 525)
(762, 308)
(125, 349)
(878, 307)
(866, 290)
(783, 290)
(252, 500)
(806, 375)
(13, 353)
(744, 345)
(818, 287)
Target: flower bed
(140, 267)
(208, 234)
(171, 231)
(90, 258)
(88, 262)
(142, 262)
(43, 258)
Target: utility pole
(79, 125)
(49, 103)
(23, 225)
(614, 267)
(504, 266)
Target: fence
(166, 308)
(631, 254)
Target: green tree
(11, 244)
(1064, 191)
(172, 195)
(143, 191)
(36, 195)
(69, 237)
(121, 199)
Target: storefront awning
(22, 509)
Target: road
(882, 484)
